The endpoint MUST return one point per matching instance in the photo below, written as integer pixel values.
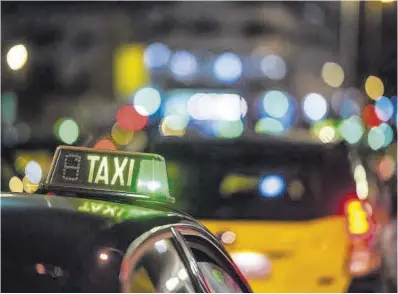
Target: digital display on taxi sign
(138, 174)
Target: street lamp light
(17, 57)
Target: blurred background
(124, 75)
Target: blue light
(156, 55)
(349, 108)
(228, 67)
(183, 64)
(394, 103)
(384, 108)
(272, 186)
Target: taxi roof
(56, 225)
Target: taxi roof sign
(111, 173)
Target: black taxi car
(103, 222)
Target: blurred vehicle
(102, 222)
(296, 215)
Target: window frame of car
(177, 233)
(214, 251)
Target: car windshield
(267, 184)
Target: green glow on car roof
(118, 212)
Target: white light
(33, 172)
(272, 186)
(183, 64)
(147, 101)
(17, 57)
(228, 237)
(327, 134)
(214, 106)
(273, 67)
(161, 246)
(359, 173)
(153, 185)
(156, 55)
(253, 265)
(228, 67)
(315, 106)
(103, 256)
(172, 283)
(362, 188)
(182, 274)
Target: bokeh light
(139, 143)
(272, 186)
(156, 55)
(327, 134)
(351, 129)
(129, 119)
(349, 108)
(296, 190)
(374, 87)
(28, 186)
(376, 138)
(228, 67)
(273, 67)
(15, 185)
(165, 130)
(121, 136)
(395, 105)
(33, 172)
(333, 74)
(216, 106)
(315, 106)
(276, 103)
(228, 129)
(105, 144)
(267, 125)
(176, 122)
(384, 108)
(183, 64)
(369, 116)
(17, 57)
(67, 130)
(388, 133)
(147, 101)
(386, 167)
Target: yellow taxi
(296, 216)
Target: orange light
(105, 144)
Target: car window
(218, 272)
(160, 269)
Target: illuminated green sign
(112, 172)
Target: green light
(67, 130)
(269, 125)
(388, 134)
(376, 138)
(351, 129)
(218, 275)
(114, 173)
(116, 211)
(9, 107)
(229, 129)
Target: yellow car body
(304, 256)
